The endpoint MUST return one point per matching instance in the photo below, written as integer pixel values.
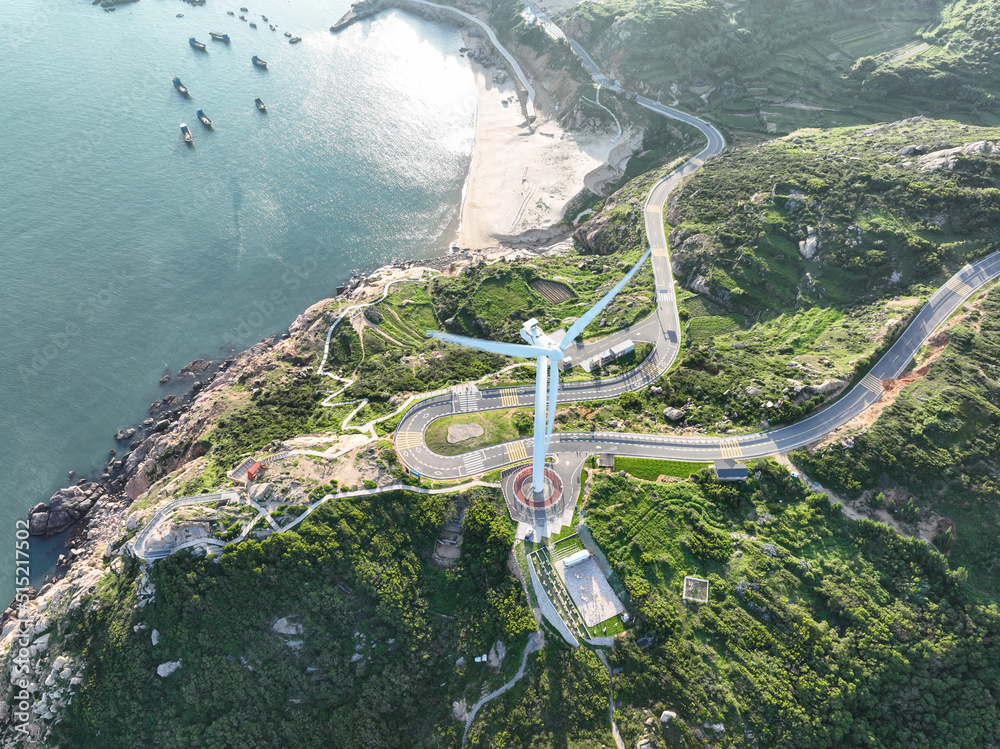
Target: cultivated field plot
(553, 291)
(590, 591)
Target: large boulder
(64, 508)
(165, 669)
(674, 414)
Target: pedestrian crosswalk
(873, 383)
(468, 400)
(407, 440)
(508, 396)
(516, 451)
(731, 449)
(474, 462)
(958, 286)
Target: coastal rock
(65, 507)
(124, 434)
(195, 368)
(37, 523)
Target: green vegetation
(356, 576)
(498, 426)
(818, 632)
(938, 440)
(778, 66)
(651, 470)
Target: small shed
(625, 347)
(730, 470)
(606, 460)
(254, 471)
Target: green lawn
(497, 425)
(650, 470)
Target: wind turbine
(541, 346)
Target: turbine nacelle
(531, 333)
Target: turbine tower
(541, 346)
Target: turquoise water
(125, 252)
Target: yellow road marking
(408, 440)
(958, 287)
(731, 449)
(651, 370)
(659, 252)
(873, 383)
(508, 397)
(516, 451)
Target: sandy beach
(521, 177)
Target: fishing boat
(258, 62)
(242, 17)
(260, 105)
(196, 44)
(263, 18)
(273, 27)
(244, 10)
(219, 37)
(180, 86)
(253, 25)
(188, 138)
(295, 40)
(204, 118)
(230, 13)
(288, 33)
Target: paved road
(663, 329)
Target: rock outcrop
(64, 508)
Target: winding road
(663, 329)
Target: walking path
(535, 642)
(137, 547)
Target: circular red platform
(551, 491)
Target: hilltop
(777, 66)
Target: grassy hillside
(938, 441)
(793, 64)
(381, 632)
(819, 632)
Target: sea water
(125, 253)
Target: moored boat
(288, 33)
(230, 13)
(188, 138)
(242, 17)
(219, 37)
(244, 10)
(258, 62)
(180, 86)
(273, 27)
(204, 118)
(253, 25)
(196, 44)
(295, 40)
(260, 105)
(263, 18)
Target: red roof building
(255, 470)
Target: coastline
(522, 175)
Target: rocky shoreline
(93, 508)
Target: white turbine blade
(494, 347)
(594, 311)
